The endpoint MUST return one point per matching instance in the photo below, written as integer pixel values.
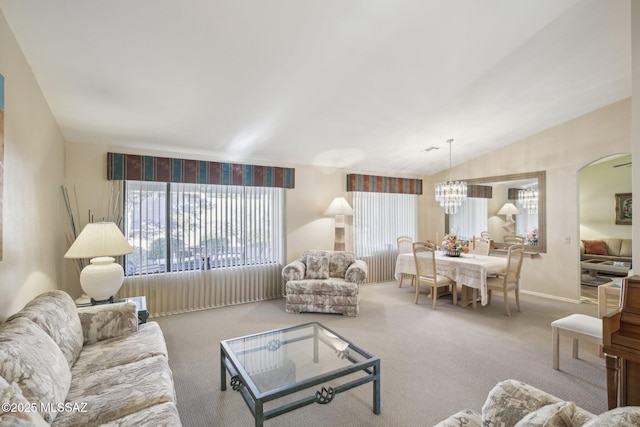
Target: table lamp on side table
(100, 241)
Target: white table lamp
(339, 208)
(509, 209)
(100, 241)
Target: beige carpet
(433, 363)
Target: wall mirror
(504, 206)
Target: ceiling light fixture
(451, 194)
(528, 199)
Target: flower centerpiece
(453, 245)
(532, 237)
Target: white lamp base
(102, 279)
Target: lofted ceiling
(366, 85)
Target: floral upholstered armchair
(324, 282)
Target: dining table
(469, 270)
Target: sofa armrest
(100, 322)
(293, 271)
(357, 272)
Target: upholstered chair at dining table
(508, 280)
(405, 246)
(424, 255)
(482, 246)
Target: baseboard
(547, 296)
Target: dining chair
(424, 254)
(485, 235)
(483, 246)
(509, 279)
(405, 246)
(514, 239)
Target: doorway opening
(605, 240)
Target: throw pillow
(510, 400)
(553, 415)
(595, 247)
(618, 417)
(317, 267)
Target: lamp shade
(509, 209)
(339, 206)
(99, 239)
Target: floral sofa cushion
(12, 405)
(618, 417)
(31, 359)
(558, 414)
(513, 403)
(55, 312)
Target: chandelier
(451, 194)
(528, 199)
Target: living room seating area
(606, 249)
(84, 366)
(324, 282)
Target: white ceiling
(361, 84)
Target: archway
(598, 184)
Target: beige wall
(598, 185)
(561, 151)
(33, 171)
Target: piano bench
(576, 326)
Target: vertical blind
(379, 219)
(188, 238)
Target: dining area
(455, 264)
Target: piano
(621, 345)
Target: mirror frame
(541, 176)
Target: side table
(141, 302)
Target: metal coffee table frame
(242, 382)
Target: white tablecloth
(467, 269)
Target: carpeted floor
(433, 363)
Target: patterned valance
(383, 184)
(480, 191)
(163, 169)
(512, 193)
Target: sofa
(606, 249)
(514, 403)
(324, 282)
(67, 366)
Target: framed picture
(623, 208)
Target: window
(471, 218)
(179, 227)
(379, 218)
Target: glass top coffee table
(276, 368)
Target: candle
(474, 243)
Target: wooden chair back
(514, 263)
(425, 260)
(483, 246)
